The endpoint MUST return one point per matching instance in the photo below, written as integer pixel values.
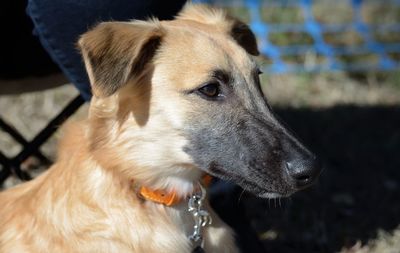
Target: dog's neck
(77, 174)
(165, 197)
(95, 168)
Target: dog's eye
(210, 90)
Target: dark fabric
(21, 53)
(58, 23)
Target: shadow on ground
(358, 192)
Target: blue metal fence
(373, 54)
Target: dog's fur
(149, 122)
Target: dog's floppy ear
(240, 32)
(115, 52)
(244, 36)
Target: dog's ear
(240, 32)
(244, 36)
(115, 52)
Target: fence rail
(371, 44)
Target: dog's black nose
(303, 172)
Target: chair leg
(5, 171)
(21, 140)
(32, 147)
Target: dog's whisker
(240, 196)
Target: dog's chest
(166, 229)
(149, 227)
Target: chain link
(201, 217)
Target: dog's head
(174, 99)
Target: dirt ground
(354, 126)
(352, 122)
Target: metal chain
(201, 217)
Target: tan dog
(173, 100)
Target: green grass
(358, 58)
(375, 13)
(281, 15)
(345, 38)
(332, 12)
(241, 12)
(291, 38)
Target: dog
(173, 101)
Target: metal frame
(13, 165)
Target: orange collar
(167, 198)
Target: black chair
(25, 66)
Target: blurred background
(331, 71)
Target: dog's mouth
(265, 193)
(272, 195)
(255, 185)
